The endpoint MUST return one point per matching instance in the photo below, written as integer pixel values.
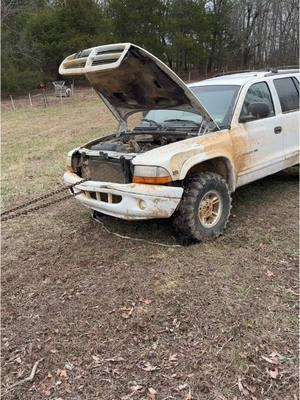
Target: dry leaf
(270, 360)
(273, 373)
(189, 396)
(61, 373)
(136, 388)
(152, 394)
(116, 359)
(269, 274)
(251, 388)
(221, 397)
(96, 359)
(241, 387)
(183, 386)
(46, 389)
(148, 301)
(274, 354)
(173, 357)
(148, 367)
(127, 314)
(68, 388)
(69, 366)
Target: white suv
(195, 145)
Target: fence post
(45, 98)
(30, 101)
(12, 103)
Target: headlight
(151, 174)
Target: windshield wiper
(182, 120)
(151, 121)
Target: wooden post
(189, 76)
(30, 101)
(72, 87)
(45, 104)
(12, 103)
(45, 98)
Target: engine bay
(108, 158)
(138, 141)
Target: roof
(242, 78)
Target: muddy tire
(204, 209)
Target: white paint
(119, 52)
(138, 201)
(268, 150)
(264, 151)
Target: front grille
(97, 169)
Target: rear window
(288, 94)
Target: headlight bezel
(151, 174)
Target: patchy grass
(111, 318)
(35, 143)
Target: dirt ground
(112, 318)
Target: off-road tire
(186, 220)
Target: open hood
(130, 79)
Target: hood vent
(129, 79)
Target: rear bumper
(127, 201)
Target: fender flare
(199, 159)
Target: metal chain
(4, 215)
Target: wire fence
(43, 98)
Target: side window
(258, 103)
(288, 94)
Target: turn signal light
(152, 180)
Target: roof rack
(233, 72)
(294, 66)
(269, 70)
(283, 70)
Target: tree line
(207, 36)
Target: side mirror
(257, 111)
(246, 118)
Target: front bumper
(127, 201)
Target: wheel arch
(220, 165)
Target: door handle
(277, 130)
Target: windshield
(172, 117)
(218, 100)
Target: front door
(264, 153)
